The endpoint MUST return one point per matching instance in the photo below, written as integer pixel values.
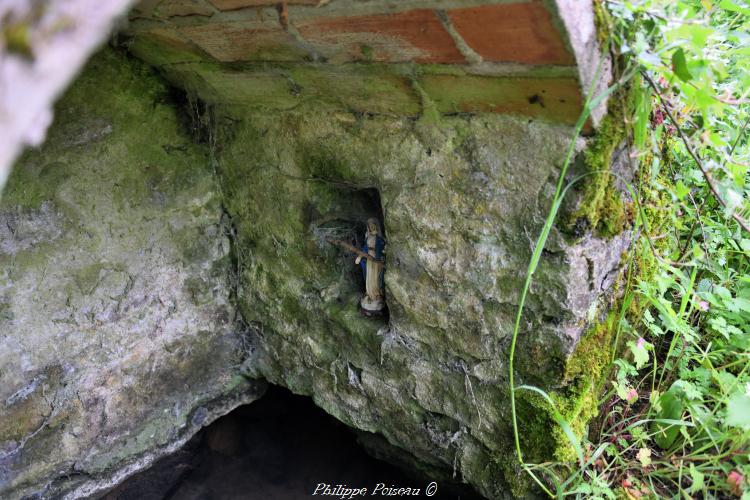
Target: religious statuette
(373, 266)
(371, 258)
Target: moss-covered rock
(462, 200)
(117, 334)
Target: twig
(739, 136)
(354, 249)
(704, 171)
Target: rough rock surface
(462, 200)
(117, 332)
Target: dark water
(280, 447)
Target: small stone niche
(344, 218)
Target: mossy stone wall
(117, 333)
(463, 199)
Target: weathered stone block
(261, 40)
(415, 35)
(362, 88)
(241, 4)
(180, 8)
(160, 46)
(462, 200)
(554, 99)
(512, 32)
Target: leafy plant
(675, 418)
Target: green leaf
(679, 66)
(690, 390)
(671, 409)
(739, 304)
(725, 380)
(738, 411)
(640, 352)
(698, 479)
(722, 292)
(681, 190)
(733, 7)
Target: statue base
(369, 307)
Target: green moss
(367, 53)
(88, 277)
(430, 114)
(542, 439)
(602, 23)
(591, 355)
(584, 374)
(24, 188)
(94, 121)
(18, 39)
(601, 207)
(320, 161)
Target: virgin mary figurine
(372, 302)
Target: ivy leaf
(679, 65)
(738, 411)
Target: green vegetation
(674, 411)
(601, 206)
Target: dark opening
(279, 447)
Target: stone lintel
(502, 39)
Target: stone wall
(462, 202)
(531, 58)
(117, 331)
